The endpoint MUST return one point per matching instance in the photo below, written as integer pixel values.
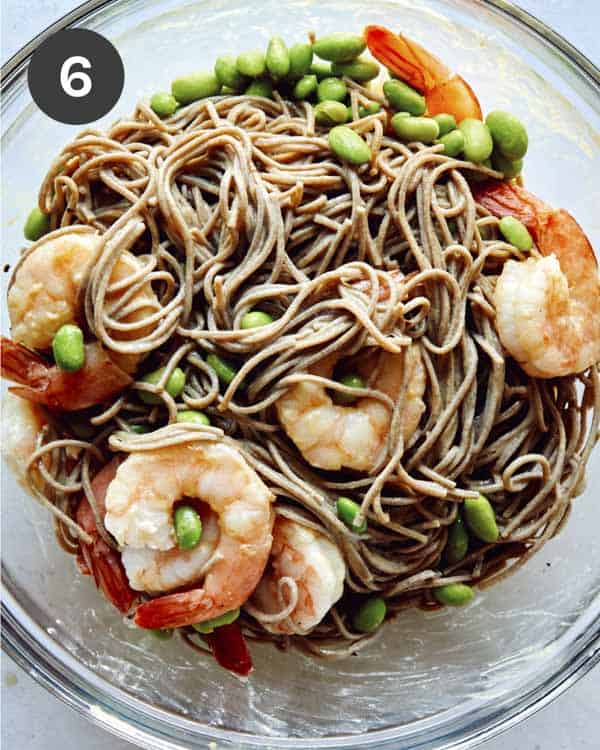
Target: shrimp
(444, 91)
(22, 421)
(331, 436)
(47, 293)
(315, 567)
(98, 559)
(139, 512)
(548, 308)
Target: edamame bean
(331, 113)
(508, 133)
(350, 380)
(192, 416)
(188, 527)
(37, 225)
(252, 63)
(228, 91)
(361, 69)
(163, 104)
(457, 543)
(195, 86)
(446, 123)
(332, 90)
(453, 143)
(260, 87)
(454, 594)
(225, 372)
(478, 141)
(306, 86)
(371, 109)
(321, 69)
(227, 73)
(403, 98)
(347, 511)
(339, 47)
(422, 129)
(370, 615)
(509, 169)
(139, 429)
(301, 56)
(349, 146)
(515, 232)
(256, 319)
(277, 59)
(208, 626)
(68, 348)
(162, 635)
(481, 519)
(174, 385)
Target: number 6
(67, 78)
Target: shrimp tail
(230, 649)
(99, 378)
(444, 91)
(176, 610)
(98, 559)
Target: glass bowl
(446, 679)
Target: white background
(32, 719)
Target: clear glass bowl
(443, 680)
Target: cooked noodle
(235, 203)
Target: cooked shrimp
(331, 436)
(309, 562)
(22, 422)
(98, 559)
(547, 309)
(139, 505)
(444, 91)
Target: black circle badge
(76, 76)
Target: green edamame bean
(227, 73)
(370, 615)
(453, 143)
(37, 225)
(515, 232)
(457, 543)
(478, 141)
(306, 86)
(422, 129)
(321, 69)
(225, 372)
(195, 417)
(208, 626)
(260, 87)
(139, 429)
(252, 64)
(371, 109)
(162, 635)
(347, 511)
(361, 69)
(403, 98)
(339, 47)
(68, 348)
(351, 380)
(188, 527)
(446, 123)
(509, 169)
(349, 146)
(301, 57)
(195, 86)
(331, 113)
(454, 594)
(508, 133)
(332, 90)
(163, 104)
(256, 319)
(228, 91)
(174, 385)
(481, 519)
(277, 59)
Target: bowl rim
(115, 711)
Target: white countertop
(35, 720)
